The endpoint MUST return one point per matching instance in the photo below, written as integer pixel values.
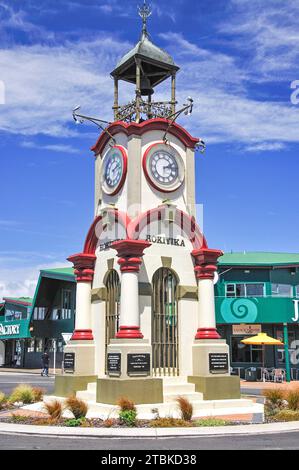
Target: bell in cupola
(145, 66)
(145, 87)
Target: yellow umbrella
(264, 340)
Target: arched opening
(165, 323)
(112, 284)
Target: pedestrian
(45, 364)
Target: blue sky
(237, 58)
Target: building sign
(69, 363)
(160, 240)
(138, 364)
(114, 363)
(247, 329)
(218, 363)
(9, 330)
(249, 310)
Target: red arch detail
(93, 237)
(139, 129)
(183, 220)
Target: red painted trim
(133, 128)
(183, 220)
(97, 228)
(206, 271)
(84, 266)
(206, 255)
(149, 179)
(130, 254)
(207, 333)
(85, 335)
(125, 169)
(127, 332)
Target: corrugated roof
(25, 300)
(259, 258)
(64, 271)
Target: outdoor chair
(278, 375)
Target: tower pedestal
(129, 371)
(211, 374)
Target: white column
(129, 300)
(206, 303)
(83, 306)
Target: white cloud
(60, 148)
(266, 146)
(21, 282)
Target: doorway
(165, 323)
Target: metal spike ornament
(144, 12)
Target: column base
(85, 335)
(66, 385)
(210, 357)
(217, 388)
(129, 358)
(207, 333)
(83, 358)
(139, 390)
(129, 332)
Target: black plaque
(69, 362)
(218, 363)
(138, 364)
(113, 363)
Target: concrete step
(86, 395)
(92, 387)
(171, 398)
(178, 388)
(171, 380)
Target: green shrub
(3, 400)
(22, 393)
(287, 415)
(73, 422)
(186, 408)
(292, 397)
(54, 409)
(78, 407)
(19, 418)
(128, 417)
(211, 422)
(170, 423)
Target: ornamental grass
(125, 404)
(22, 393)
(78, 407)
(186, 408)
(3, 400)
(170, 423)
(54, 409)
(292, 398)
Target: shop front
(14, 331)
(239, 318)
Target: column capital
(130, 253)
(84, 266)
(206, 262)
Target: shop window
(245, 353)
(245, 290)
(66, 302)
(30, 345)
(281, 290)
(39, 313)
(297, 291)
(39, 345)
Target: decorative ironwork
(144, 12)
(148, 110)
(165, 323)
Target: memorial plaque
(69, 363)
(218, 363)
(138, 364)
(114, 363)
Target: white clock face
(114, 166)
(164, 167)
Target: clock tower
(145, 313)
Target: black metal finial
(144, 12)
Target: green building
(257, 292)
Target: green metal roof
(65, 271)
(27, 300)
(259, 258)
